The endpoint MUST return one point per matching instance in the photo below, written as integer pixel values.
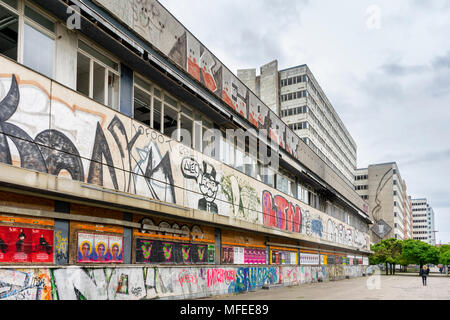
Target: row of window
(299, 126)
(330, 129)
(332, 140)
(365, 197)
(319, 96)
(362, 177)
(293, 80)
(294, 95)
(365, 187)
(37, 31)
(294, 111)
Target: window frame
(92, 61)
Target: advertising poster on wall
(42, 241)
(330, 260)
(200, 253)
(239, 255)
(156, 251)
(85, 247)
(211, 253)
(25, 245)
(248, 256)
(167, 250)
(101, 248)
(186, 254)
(227, 255)
(294, 258)
(115, 245)
(309, 259)
(261, 257)
(144, 250)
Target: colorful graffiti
(138, 283)
(99, 146)
(279, 213)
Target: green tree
(444, 255)
(389, 252)
(419, 252)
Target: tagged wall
(70, 136)
(139, 283)
(150, 20)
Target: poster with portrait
(227, 255)
(115, 249)
(42, 250)
(85, 247)
(101, 244)
(15, 244)
(20, 244)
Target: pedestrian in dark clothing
(424, 272)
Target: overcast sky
(384, 65)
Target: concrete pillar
(270, 86)
(248, 77)
(218, 245)
(66, 56)
(127, 239)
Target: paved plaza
(399, 287)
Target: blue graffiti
(317, 227)
(252, 278)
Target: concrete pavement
(378, 287)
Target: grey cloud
(402, 70)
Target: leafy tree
(444, 255)
(389, 252)
(419, 252)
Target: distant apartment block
(382, 186)
(423, 221)
(297, 97)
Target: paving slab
(376, 287)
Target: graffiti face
(208, 187)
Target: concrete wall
(270, 86)
(182, 48)
(139, 283)
(72, 137)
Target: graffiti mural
(87, 142)
(140, 283)
(243, 198)
(206, 180)
(280, 213)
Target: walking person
(424, 272)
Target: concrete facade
(382, 186)
(306, 110)
(83, 171)
(423, 221)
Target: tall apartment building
(408, 217)
(381, 185)
(423, 221)
(103, 196)
(306, 110)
